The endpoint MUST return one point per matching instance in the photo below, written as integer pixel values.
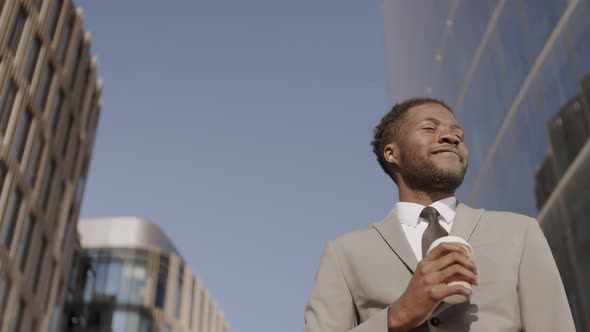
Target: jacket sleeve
(543, 303)
(330, 307)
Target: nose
(449, 138)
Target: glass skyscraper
(49, 110)
(516, 74)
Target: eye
(429, 128)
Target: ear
(391, 153)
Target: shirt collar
(409, 213)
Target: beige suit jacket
(361, 273)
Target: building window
(4, 292)
(178, 305)
(85, 80)
(91, 111)
(116, 275)
(58, 200)
(44, 85)
(10, 219)
(39, 262)
(67, 135)
(56, 111)
(126, 320)
(49, 286)
(68, 231)
(31, 59)
(77, 62)
(16, 30)
(74, 160)
(3, 172)
(161, 284)
(6, 105)
(22, 132)
(192, 304)
(54, 9)
(80, 188)
(65, 36)
(18, 317)
(33, 164)
(133, 280)
(25, 243)
(47, 181)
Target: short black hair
(388, 129)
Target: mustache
(447, 148)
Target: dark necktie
(434, 229)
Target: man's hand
(428, 286)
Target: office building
(49, 108)
(131, 278)
(515, 73)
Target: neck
(407, 194)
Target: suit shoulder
(505, 219)
(506, 215)
(356, 237)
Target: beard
(421, 173)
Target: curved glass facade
(135, 285)
(517, 74)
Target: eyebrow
(437, 121)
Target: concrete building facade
(49, 109)
(131, 278)
(515, 74)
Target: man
(382, 279)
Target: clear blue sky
(242, 128)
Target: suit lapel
(465, 221)
(391, 231)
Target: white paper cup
(457, 298)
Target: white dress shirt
(414, 226)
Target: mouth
(446, 151)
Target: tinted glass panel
(56, 111)
(39, 263)
(25, 243)
(47, 181)
(6, 104)
(45, 83)
(10, 218)
(67, 135)
(4, 291)
(3, 172)
(514, 50)
(16, 30)
(161, 284)
(20, 139)
(77, 62)
(178, 294)
(53, 17)
(33, 164)
(31, 60)
(65, 37)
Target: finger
(445, 248)
(439, 292)
(453, 258)
(456, 273)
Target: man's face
(432, 155)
